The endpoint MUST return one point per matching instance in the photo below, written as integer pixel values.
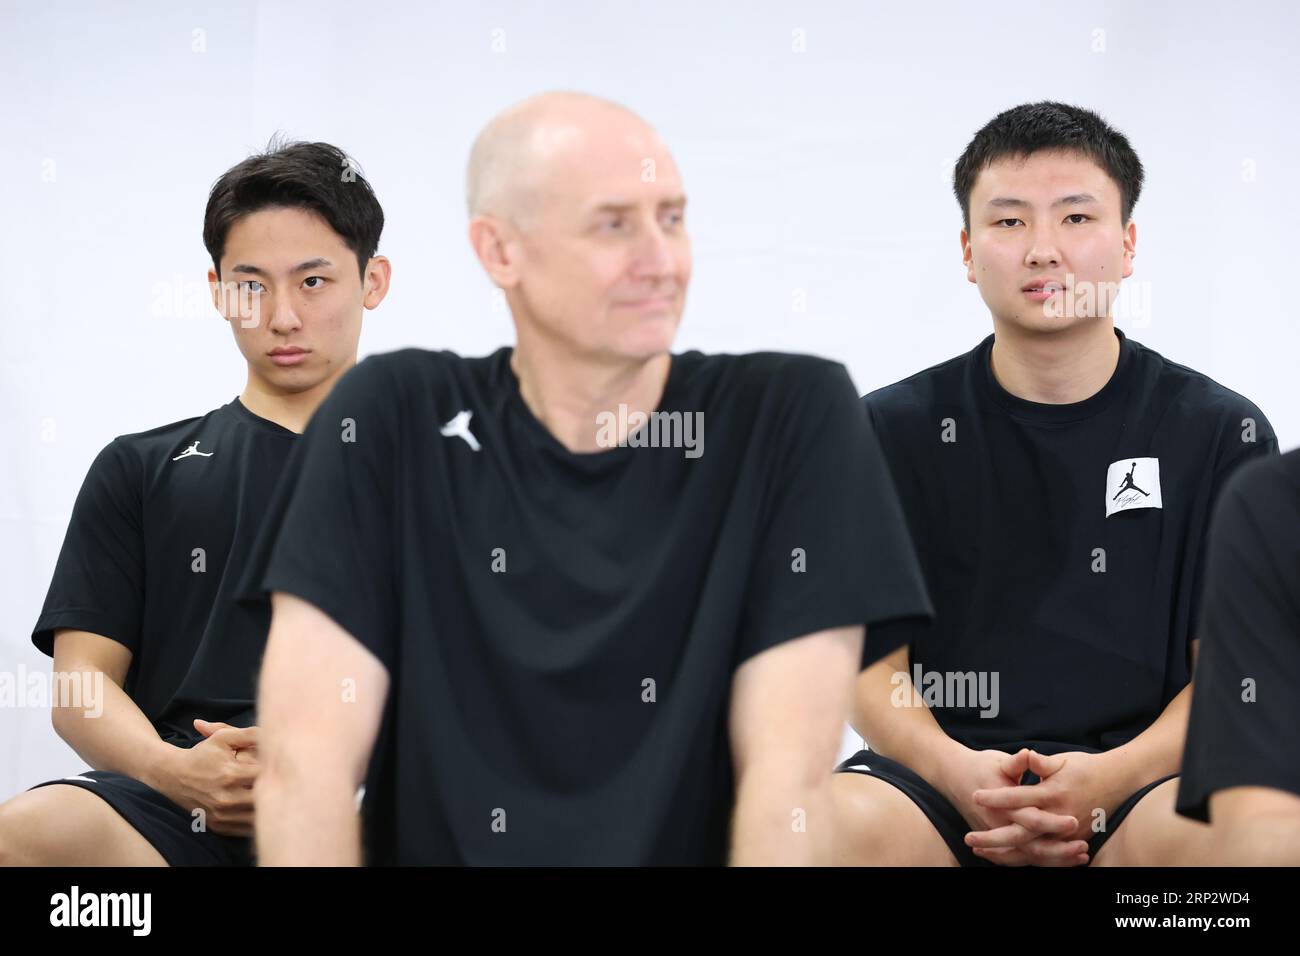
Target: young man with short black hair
(140, 603)
(1057, 480)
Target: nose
(1042, 250)
(654, 255)
(283, 317)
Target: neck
(291, 410)
(567, 392)
(1056, 368)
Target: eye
(1077, 215)
(249, 283)
(675, 218)
(613, 222)
(317, 279)
(1001, 222)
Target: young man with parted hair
(583, 600)
(140, 601)
(1057, 480)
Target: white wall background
(822, 174)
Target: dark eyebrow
(1006, 202)
(245, 269)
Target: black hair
(315, 176)
(1033, 127)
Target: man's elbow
(805, 770)
(294, 752)
(302, 747)
(59, 720)
(68, 720)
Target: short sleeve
(329, 534)
(1246, 690)
(98, 582)
(834, 550)
(1234, 457)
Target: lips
(289, 355)
(659, 302)
(1042, 289)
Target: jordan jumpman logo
(458, 427)
(193, 450)
(1128, 483)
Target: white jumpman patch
(458, 427)
(193, 450)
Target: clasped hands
(1047, 823)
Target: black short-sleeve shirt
(157, 541)
(1062, 544)
(561, 629)
(1246, 695)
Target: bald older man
(526, 601)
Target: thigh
(876, 824)
(1154, 834)
(66, 825)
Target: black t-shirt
(156, 545)
(1246, 697)
(1062, 544)
(562, 629)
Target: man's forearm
(1158, 750)
(780, 823)
(112, 733)
(316, 741)
(306, 820)
(909, 733)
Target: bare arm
(892, 730)
(320, 702)
(900, 731)
(1158, 750)
(94, 715)
(788, 706)
(1255, 826)
(97, 718)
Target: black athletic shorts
(952, 826)
(160, 821)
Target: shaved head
(577, 213)
(514, 156)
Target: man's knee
(64, 825)
(24, 829)
(876, 824)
